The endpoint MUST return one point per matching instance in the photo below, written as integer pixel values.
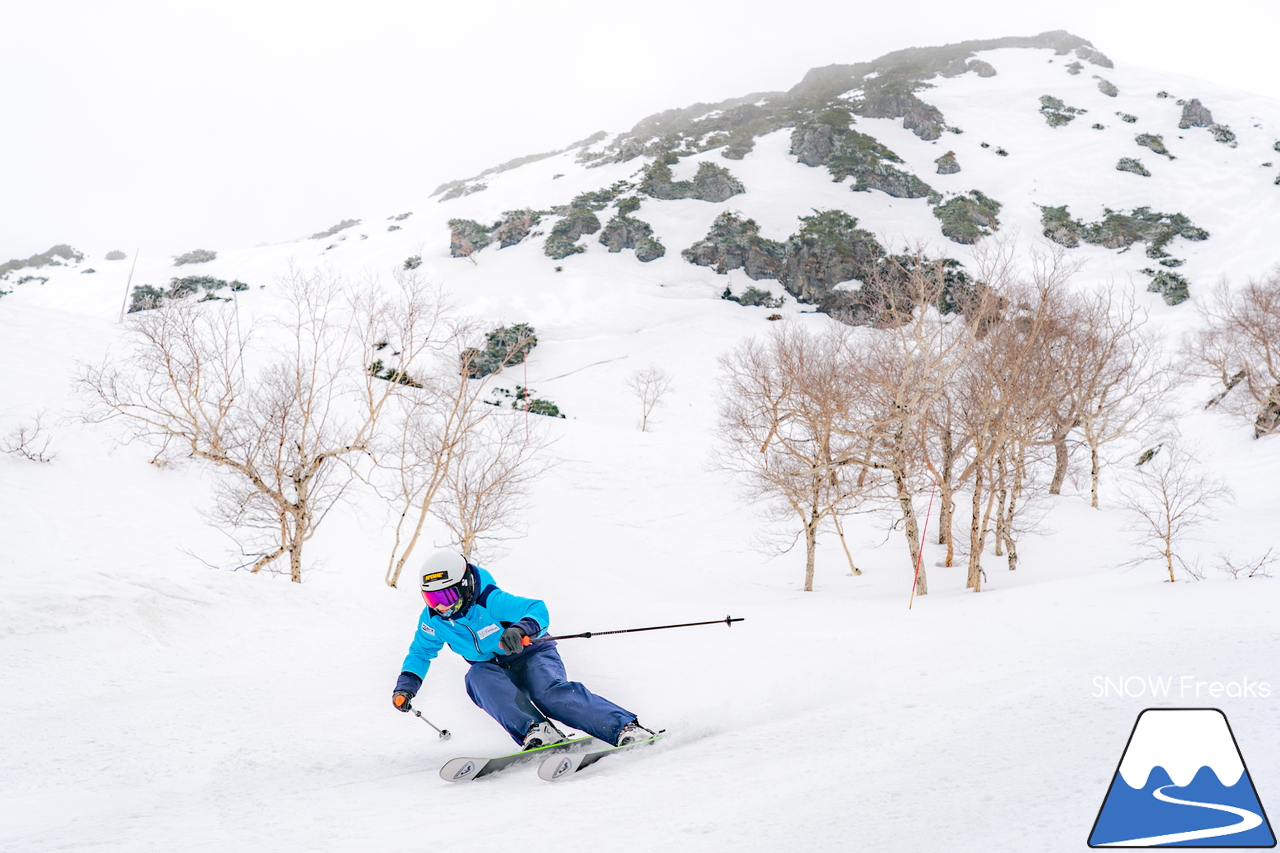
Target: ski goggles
(441, 597)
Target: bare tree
(1171, 499)
(650, 385)
(1240, 345)
(433, 436)
(783, 400)
(905, 367)
(286, 441)
(29, 441)
(485, 487)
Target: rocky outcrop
(649, 249)
(981, 68)
(1222, 133)
(712, 183)
(1060, 227)
(967, 219)
(466, 237)
(1269, 417)
(1107, 88)
(1074, 68)
(463, 188)
(735, 243)
(864, 158)
(1195, 114)
(1172, 287)
(1096, 57)
(1129, 164)
(947, 164)
(897, 100)
(1120, 230)
(515, 226)
(624, 232)
(54, 257)
(828, 249)
(1154, 142)
(812, 144)
(1057, 113)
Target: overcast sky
(190, 124)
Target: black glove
(401, 700)
(511, 640)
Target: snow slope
(150, 700)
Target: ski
(466, 769)
(556, 767)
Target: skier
(520, 685)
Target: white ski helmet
(448, 583)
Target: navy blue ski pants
(526, 688)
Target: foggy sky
(171, 126)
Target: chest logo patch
(428, 629)
(487, 630)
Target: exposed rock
(812, 144)
(1074, 68)
(623, 232)
(828, 249)
(462, 188)
(967, 219)
(116, 255)
(897, 100)
(1057, 113)
(53, 257)
(575, 221)
(983, 69)
(947, 164)
(203, 256)
(649, 249)
(1129, 164)
(1154, 142)
(1107, 88)
(863, 157)
(1119, 230)
(515, 226)
(1088, 54)
(712, 183)
(1222, 133)
(1195, 114)
(466, 237)
(735, 243)
(1269, 417)
(1172, 287)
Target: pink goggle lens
(447, 597)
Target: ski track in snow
(150, 703)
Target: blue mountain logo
(1182, 783)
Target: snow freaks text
(1177, 687)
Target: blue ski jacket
(474, 633)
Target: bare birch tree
(906, 366)
(433, 434)
(286, 440)
(485, 487)
(650, 385)
(1240, 345)
(782, 402)
(1171, 499)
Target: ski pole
(445, 734)
(728, 620)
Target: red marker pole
(920, 551)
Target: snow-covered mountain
(152, 699)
